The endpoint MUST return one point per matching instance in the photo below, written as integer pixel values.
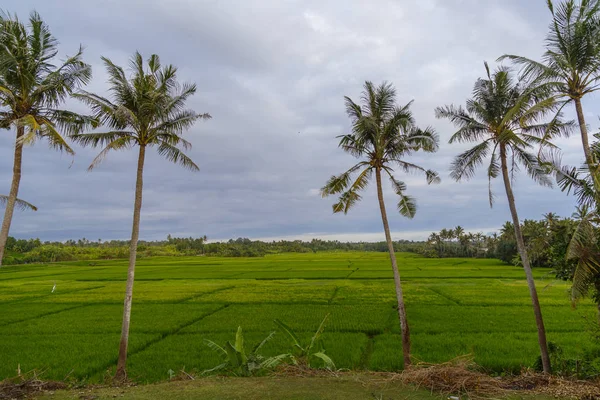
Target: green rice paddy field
(455, 307)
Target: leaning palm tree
(570, 67)
(383, 134)
(31, 90)
(506, 120)
(147, 110)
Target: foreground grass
(357, 387)
(455, 307)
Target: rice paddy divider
(46, 314)
(159, 339)
(439, 293)
(197, 296)
(35, 298)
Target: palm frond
(349, 198)
(54, 138)
(407, 205)
(176, 156)
(101, 138)
(122, 143)
(20, 204)
(583, 248)
(534, 169)
(465, 164)
(337, 184)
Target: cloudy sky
(273, 74)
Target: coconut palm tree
(458, 232)
(32, 89)
(570, 67)
(383, 134)
(506, 120)
(147, 110)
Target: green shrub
(308, 350)
(586, 367)
(239, 362)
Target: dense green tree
(32, 89)
(383, 135)
(583, 249)
(146, 111)
(505, 119)
(570, 67)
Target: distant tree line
(546, 241)
(35, 251)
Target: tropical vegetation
(464, 290)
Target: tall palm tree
(146, 110)
(570, 67)
(31, 90)
(383, 134)
(506, 120)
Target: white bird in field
(53, 287)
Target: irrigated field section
(455, 306)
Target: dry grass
(459, 377)
(554, 386)
(303, 371)
(25, 387)
(463, 377)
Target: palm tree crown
(571, 63)
(570, 67)
(383, 134)
(32, 88)
(146, 110)
(504, 116)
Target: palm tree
(458, 232)
(570, 67)
(505, 119)
(31, 90)
(383, 134)
(145, 111)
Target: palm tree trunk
(524, 259)
(14, 191)
(121, 374)
(399, 296)
(589, 160)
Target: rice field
(455, 307)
